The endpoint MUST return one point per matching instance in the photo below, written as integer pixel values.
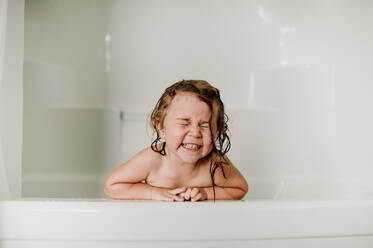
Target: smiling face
(186, 129)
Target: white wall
(67, 127)
(294, 75)
(11, 97)
(4, 185)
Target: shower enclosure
(79, 78)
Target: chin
(190, 161)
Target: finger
(175, 197)
(197, 197)
(194, 192)
(187, 194)
(168, 198)
(177, 190)
(182, 194)
(179, 199)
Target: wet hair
(218, 121)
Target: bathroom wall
(4, 185)
(294, 76)
(11, 96)
(69, 133)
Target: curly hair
(218, 120)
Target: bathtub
(297, 78)
(291, 212)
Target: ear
(162, 134)
(160, 130)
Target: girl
(187, 159)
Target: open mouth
(191, 146)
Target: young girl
(187, 161)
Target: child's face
(186, 128)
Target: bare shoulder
(147, 158)
(137, 168)
(229, 176)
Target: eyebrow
(183, 119)
(188, 120)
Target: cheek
(207, 138)
(175, 135)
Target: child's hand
(194, 194)
(162, 194)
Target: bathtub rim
(280, 219)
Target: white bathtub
(277, 213)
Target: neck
(176, 165)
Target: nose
(195, 131)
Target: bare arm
(129, 191)
(233, 187)
(225, 193)
(125, 182)
(143, 191)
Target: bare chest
(165, 179)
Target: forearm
(224, 193)
(129, 191)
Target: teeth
(191, 146)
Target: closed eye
(183, 123)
